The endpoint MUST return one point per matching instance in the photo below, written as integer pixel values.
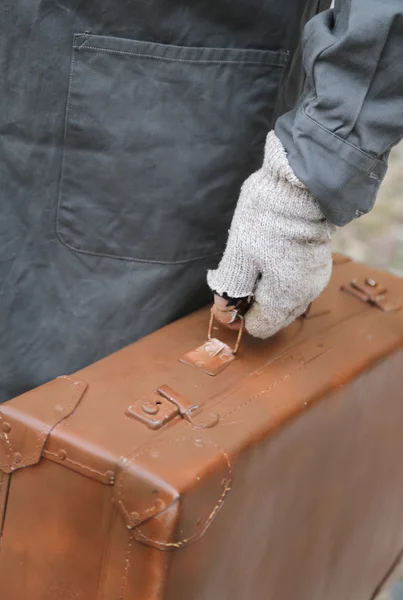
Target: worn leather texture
(294, 491)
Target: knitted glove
(279, 246)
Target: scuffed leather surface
(23, 435)
(296, 483)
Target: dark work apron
(126, 130)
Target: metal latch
(370, 291)
(164, 404)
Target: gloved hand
(278, 249)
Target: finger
(223, 303)
(227, 316)
(226, 304)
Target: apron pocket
(158, 140)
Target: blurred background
(377, 238)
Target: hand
(226, 313)
(278, 249)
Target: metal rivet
(150, 408)
(371, 282)
(6, 427)
(17, 458)
(134, 518)
(111, 476)
(159, 504)
(62, 454)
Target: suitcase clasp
(372, 292)
(164, 404)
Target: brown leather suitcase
(275, 474)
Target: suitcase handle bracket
(372, 292)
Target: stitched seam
(188, 60)
(129, 461)
(4, 437)
(192, 538)
(4, 492)
(127, 566)
(43, 434)
(73, 462)
(213, 513)
(147, 511)
(373, 158)
(279, 92)
(39, 440)
(64, 144)
(273, 385)
(302, 365)
(198, 535)
(144, 451)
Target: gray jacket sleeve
(339, 136)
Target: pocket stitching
(59, 196)
(184, 60)
(139, 260)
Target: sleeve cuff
(343, 178)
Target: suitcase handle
(240, 333)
